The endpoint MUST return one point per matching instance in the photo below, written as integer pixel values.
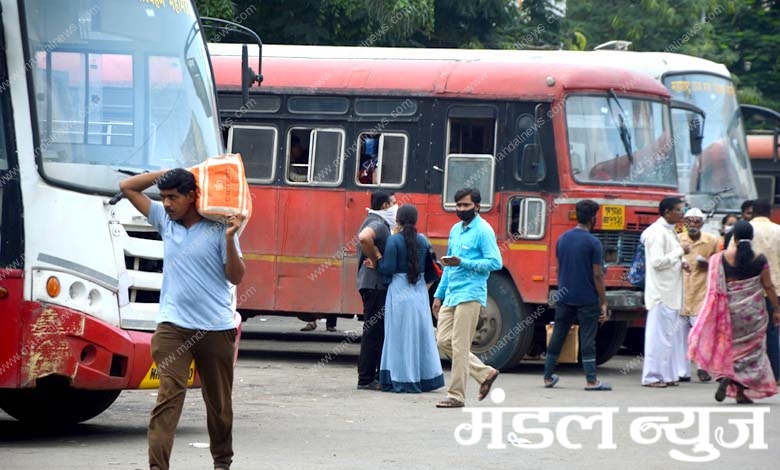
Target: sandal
(656, 385)
(720, 394)
(553, 381)
(672, 384)
(600, 386)
(703, 375)
(450, 403)
(312, 325)
(484, 389)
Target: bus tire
(609, 339)
(504, 333)
(55, 403)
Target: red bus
(533, 132)
(90, 92)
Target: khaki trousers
(173, 349)
(456, 328)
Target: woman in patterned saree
(729, 336)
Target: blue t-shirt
(195, 291)
(577, 251)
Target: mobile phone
(446, 258)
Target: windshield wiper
(625, 137)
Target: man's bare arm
(132, 188)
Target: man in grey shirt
(373, 235)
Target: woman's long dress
(410, 357)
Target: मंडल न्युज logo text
(652, 424)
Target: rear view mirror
(532, 167)
(696, 130)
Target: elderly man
(702, 246)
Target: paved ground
(289, 413)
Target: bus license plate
(613, 217)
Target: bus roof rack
(616, 45)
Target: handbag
(433, 268)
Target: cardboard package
(571, 347)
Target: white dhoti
(662, 345)
(683, 363)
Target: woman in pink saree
(728, 339)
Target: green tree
(215, 8)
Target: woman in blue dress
(410, 357)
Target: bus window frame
(380, 145)
(514, 231)
(484, 205)
(274, 149)
(312, 153)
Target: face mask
(389, 215)
(693, 231)
(466, 216)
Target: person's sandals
(600, 386)
(312, 325)
(656, 385)
(332, 329)
(450, 403)
(685, 379)
(703, 375)
(672, 384)
(484, 389)
(743, 400)
(553, 381)
(720, 394)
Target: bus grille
(621, 244)
(140, 264)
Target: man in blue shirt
(581, 294)
(201, 258)
(472, 253)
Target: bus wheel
(54, 402)
(502, 338)
(609, 339)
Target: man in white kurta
(663, 294)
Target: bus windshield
(720, 178)
(598, 152)
(119, 86)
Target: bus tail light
(53, 287)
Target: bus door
(382, 156)
(258, 144)
(310, 217)
(530, 177)
(470, 133)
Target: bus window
(315, 156)
(382, 159)
(469, 171)
(92, 99)
(472, 135)
(526, 131)
(257, 146)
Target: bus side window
(257, 146)
(382, 159)
(298, 155)
(472, 135)
(315, 156)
